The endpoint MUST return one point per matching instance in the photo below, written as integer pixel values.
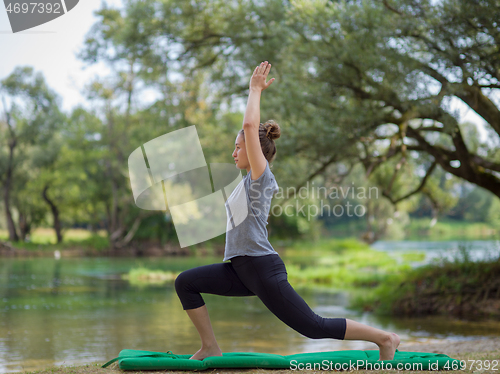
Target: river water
(79, 311)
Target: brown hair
(268, 133)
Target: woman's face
(240, 154)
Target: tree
(357, 81)
(400, 64)
(31, 116)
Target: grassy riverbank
(447, 229)
(420, 229)
(44, 239)
(84, 242)
(387, 283)
(459, 288)
(344, 265)
(142, 276)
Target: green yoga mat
(129, 359)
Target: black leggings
(266, 277)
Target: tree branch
(133, 229)
(481, 104)
(417, 190)
(431, 128)
(392, 9)
(370, 166)
(394, 175)
(320, 170)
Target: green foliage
(45, 240)
(29, 146)
(459, 276)
(326, 246)
(493, 217)
(474, 204)
(143, 277)
(342, 264)
(283, 227)
(158, 226)
(97, 242)
(447, 229)
(412, 257)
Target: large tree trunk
(13, 237)
(6, 194)
(116, 229)
(55, 214)
(24, 226)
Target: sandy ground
(454, 347)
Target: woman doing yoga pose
(255, 268)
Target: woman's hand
(258, 80)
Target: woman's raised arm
(251, 120)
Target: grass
(96, 368)
(143, 277)
(45, 239)
(459, 286)
(388, 284)
(419, 229)
(446, 229)
(344, 264)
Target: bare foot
(388, 347)
(206, 352)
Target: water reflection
(75, 311)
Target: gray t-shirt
(247, 210)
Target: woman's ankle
(210, 346)
(385, 339)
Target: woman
(255, 268)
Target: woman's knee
(182, 282)
(187, 292)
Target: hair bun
(273, 130)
